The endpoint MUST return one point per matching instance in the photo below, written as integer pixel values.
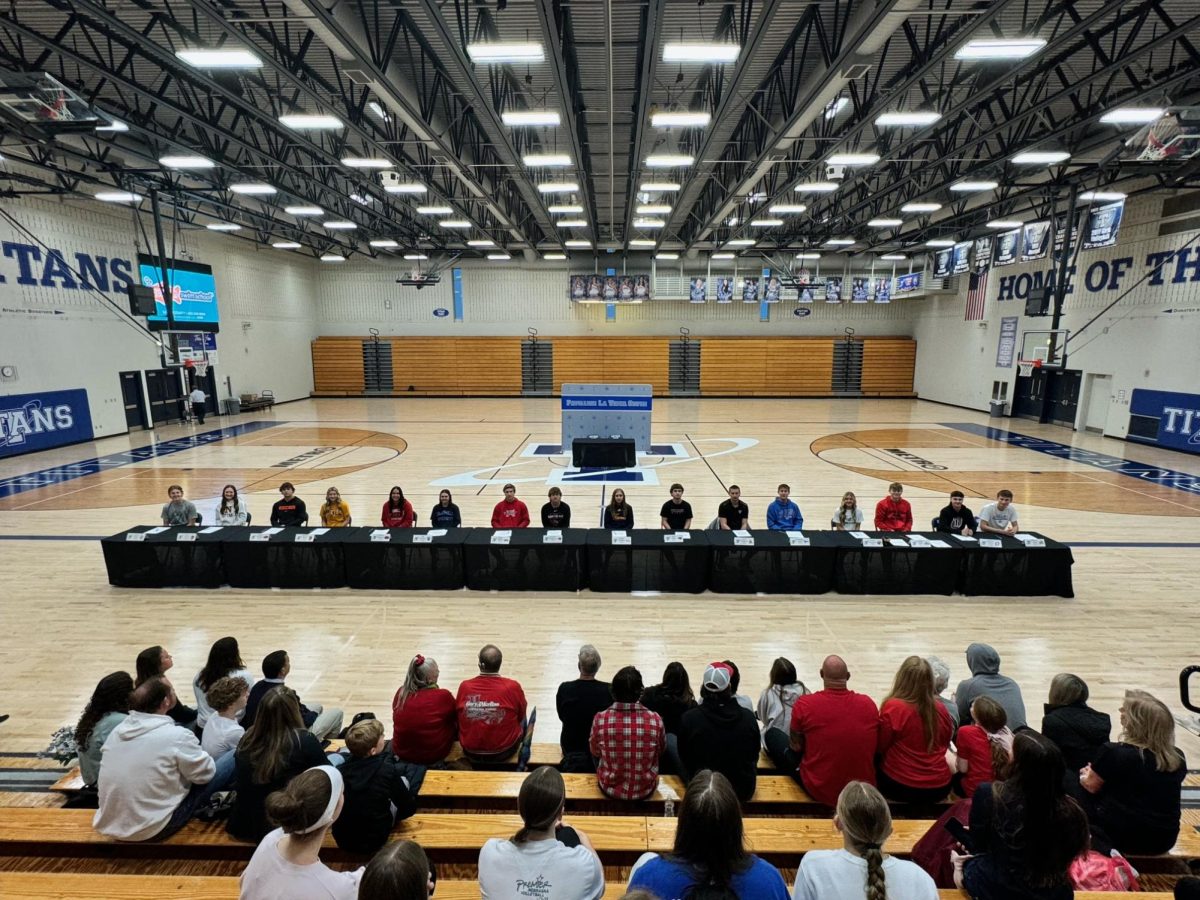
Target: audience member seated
(627, 740)
(105, 711)
(510, 512)
(157, 661)
(1077, 729)
(397, 512)
(941, 681)
(273, 751)
(914, 735)
(893, 513)
(618, 515)
(491, 711)
(861, 871)
(578, 702)
(379, 790)
(720, 734)
(783, 514)
(983, 750)
(555, 513)
(671, 700)
(178, 511)
(956, 518)
(848, 516)
(1187, 888)
(424, 718)
(733, 514)
(709, 858)
(400, 871)
(676, 513)
(832, 737)
(999, 517)
(335, 512)
(1131, 789)
(287, 863)
(555, 857)
(231, 510)
(776, 701)
(1025, 831)
(155, 774)
(445, 514)
(275, 668)
(984, 663)
(224, 658)
(735, 681)
(228, 698)
(288, 511)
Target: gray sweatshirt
(984, 663)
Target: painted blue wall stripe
(456, 280)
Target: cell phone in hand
(960, 833)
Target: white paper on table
(991, 543)
(501, 538)
(213, 529)
(963, 537)
(381, 536)
(136, 536)
(436, 532)
(381, 531)
(672, 538)
(422, 539)
(271, 531)
(684, 535)
(741, 532)
(747, 541)
(503, 532)
(159, 530)
(621, 539)
(306, 538)
(186, 536)
(872, 542)
(941, 545)
(861, 535)
(553, 536)
(897, 542)
(319, 531)
(261, 536)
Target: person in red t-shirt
(914, 735)
(627, 739)
(398, 512)
(491, 710)
(893, 513)
(424, 718)
(510, 512)
(983, 750)
(832, 736)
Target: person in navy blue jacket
(445, 514)
(783, 514)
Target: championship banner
(1102, 224)
(983, 254)
(833, 290)
(962, 258)
(625, 287)
(1008, 247)
(909, 282)
(724, 289)
(943, 263)
(773, 290)
(858, 290)
(698, 289)
(1035, 241)
(749, 290)
(883, 290)
(577, 287)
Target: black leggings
(903, 793)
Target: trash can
(999, 409)
(233, 406)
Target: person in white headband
(287, 862)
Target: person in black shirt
(556, 514)
(578, 702)
(956, 518)
(720, 734)
(676, 513)
(733, 513)
(445, 514)
(289, 510)
(380, 790)
(618, 515)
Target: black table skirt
(647, 563)
(400, 564)
(282, 562)
(161, 560)
(1017, 571)
(773, 565)
(525, 563)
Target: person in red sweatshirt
(510, 512)
(398, 512)
(491, 710)
(893, 513)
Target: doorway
(1062, 386)
(1097, 398)
(134, 399)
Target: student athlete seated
(556, 514)
(276, 666)
(445, 514)
(231, 510)
(510, 512)
(676, 513)
(956, 518)
(379, 790)
(999, 517)
(288, 510)
(893, 513)
(733, 513)
(178, 511)
(397, 512)
(783, 514)
(618, 515)
(491, 710)
(335, 512)
(848, 516)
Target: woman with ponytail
(424, 721)
(861, 870)
(709, 860)
(544, 852)
(914, 735)
(287, 863)
(983, 750)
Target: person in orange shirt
(893, 513)
(335, 512)
(510, 512)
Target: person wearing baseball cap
(720, 734)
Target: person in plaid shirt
(627, 740)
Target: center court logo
(914, 459)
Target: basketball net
(1025, 367)
(201, 368)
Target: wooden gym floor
(1133, 622)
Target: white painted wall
(1137, 342)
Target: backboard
(1048, 347)
(1173, 137)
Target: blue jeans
(199, 796)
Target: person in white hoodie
(155, 773)
(776, 701)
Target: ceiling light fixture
(885, 223)
(741, 242)
(415, 256)
(920, 207)
(367, 162)
(220, 58)
(894, 257)
(311, 122)
(224, 226)
(1011, 48)
(643, 242)
(304, 210)
(940, 242)
(1124, 115)
(405, 187)
(114, 125)
(969, 187)
(563, 208)
(840, 242)
(499, 256)
(649, 222)
(528, 118)
(653, 209)
(700, 52)
(853, 159)
(906, 119)
(835, 106)
(680, 119)
(787, 209)
(186, 161)
(378, 111)
(816, 187)
(658, 187)
(333, 258)
(666, 256)
(286, 245)
(1097, 195)
(481, 242)
(558, 187)
(383, 244)
(554, 256)
(455, 223)
(572, 223)
(434, 210)
(577, 243)
(668, 160)
(505, 51)
(1005, 223)
(1041, 157)
(253, 188)
(546, 160)
(119, 197)
(766, 223)
(339, 225)
(808, 256)
(722, 256)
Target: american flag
(976, 291)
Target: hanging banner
(806, 295)
(1008, 247)
(1102, 224)
(749, 290)
(858, 290)
(962, 258)
(1006, 347)
(1035, 240)
(773, 290)
(833, 290)
(909, 282)
(724, 289)
(883, 290)
(983, 254)
(943, 263)
(698, 290)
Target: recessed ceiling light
(1005, 223)
(405, 187)
(741, 242)
(378, 111)
(367, 162)
(311, 122)
(286, 245)
(498, 256)
(481, 242)
(415, 256)
(643, 242)
(666, 256)
(700, 52)
(339, 225)
(118, 197)
(816, 187)
(572, 223)
(505, 51)
(563, 208)
(224, 226)
(722, 256)
(920, 207)
(903, 119)
(885, 223)
(304, 210)
(668, 160)
(766, 223)
(558, 187)
(840, 242)
(835, 106)
(1125, 115)
(1013, 48)
(333, 258)
(577, 243)
(808, 256)
(253, 188)
(658, 187)
(967, 187)
(649, 223)
(114, 125)
(940, 242)
(680, 119)
(554, 256)
(894, 257)
(787, 209)
(1041, 157)
(531, 117)
(546, 160)
(434, 210)
(186, 161)
(384, 244)
(455, 223)
(221, 58)
(1097, 195)
(853, 159)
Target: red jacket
(491, 713)
(398, 519)
(893, 515)
(905, 752)
(425, 728)
(510, 515)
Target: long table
(650, 560)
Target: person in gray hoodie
(984, 663)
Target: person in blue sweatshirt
(783, 514)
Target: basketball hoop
(201, 368)
(1025, 367)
